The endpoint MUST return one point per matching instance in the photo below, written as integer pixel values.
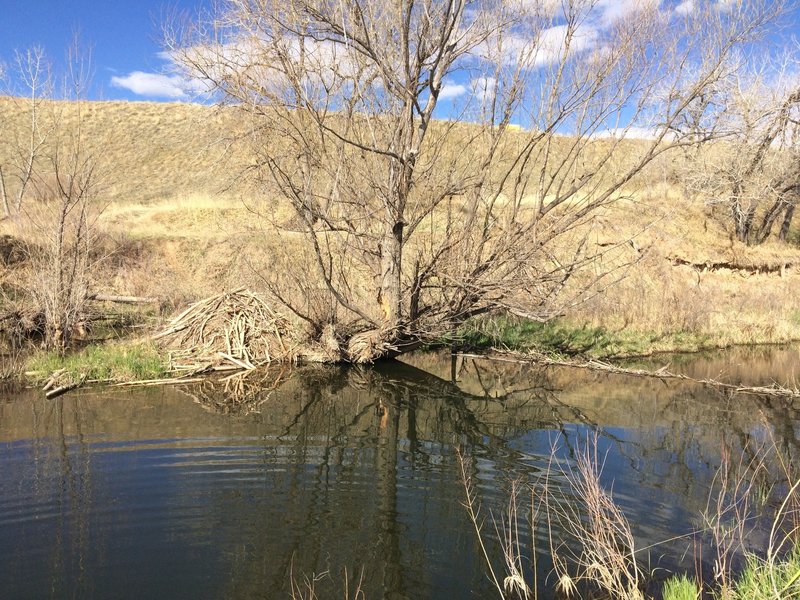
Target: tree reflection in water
(227, 488)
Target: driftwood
(122, 299)
(153, 382)
(54, 392)
(63, 389)
(51, 381)
(774, 390)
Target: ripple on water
(148, 495)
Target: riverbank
(181, 224)
(572, 339)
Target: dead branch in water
(152, 382)
(63, 389)
(774, 390)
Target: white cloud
(726, 5)
(685, 8)
(614, 10)
(156, 85)
(483, 88)
(548, 46)
(452, 90)
(552, 43)
(542, 8)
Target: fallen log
(152, 382)
(122, 299)
(51, 381)
(61, 390)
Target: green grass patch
(760, 580)
(680, 587)
(119, 361)
(565, 338)
(763, 580)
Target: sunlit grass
(117, 362)
(565, 337)
(680, 588)
(765, 580)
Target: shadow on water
(230, 488)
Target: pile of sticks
(236, 328)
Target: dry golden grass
(178, 223)
(730, 293)
(151, 152)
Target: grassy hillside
(179, 221)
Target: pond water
(334, 476)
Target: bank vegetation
(365, 211)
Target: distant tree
(32, 86)
(445, 158)
(752, 168)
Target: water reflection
(225, 489)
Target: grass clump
(117, 362)
(680, 587)
(768, 580)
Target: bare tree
(445, 158)
(33, 87)
(752, 171)
(55, 177)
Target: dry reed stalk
(514, 583)
(473, 510)
(606, 558)
(305, 588)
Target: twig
(151, 382)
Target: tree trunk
(390, 293)
(6, 207)
(743, 221)
(787, 222)
(768, 220)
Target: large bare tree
(445, 158)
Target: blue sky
(123, 35)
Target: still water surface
(233, 489)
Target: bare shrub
(751, 174)
(59, 183)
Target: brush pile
(236, 328)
